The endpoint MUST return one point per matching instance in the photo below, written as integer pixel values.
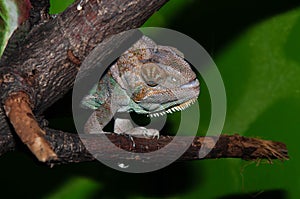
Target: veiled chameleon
(147, 79)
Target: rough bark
(42, 65)
(69, 147)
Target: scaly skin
(148, 79)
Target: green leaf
(58, 6)
(3, 22)
(12, 14)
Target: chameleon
(147, 79)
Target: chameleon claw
(156, 136)
(79, 7)
(151, 133)
(130, 137)
(133, 143)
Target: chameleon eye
(151, 83)
(152, 74)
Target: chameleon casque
(147, 79)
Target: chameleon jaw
(173, 109)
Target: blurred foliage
(256, 46)
(57, 6)
(76, 188)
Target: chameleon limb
(18, 110)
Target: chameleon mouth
(173, 109)
(192, 84)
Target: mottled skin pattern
(148, 79)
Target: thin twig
(18, 110)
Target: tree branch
(69, 147)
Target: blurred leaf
(3, 26)
(9, 19)
(261, 72)
(167, 12)
(76, 188)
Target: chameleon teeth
(156, 114)
(169, 111)
(180, 107)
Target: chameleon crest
(147, 79)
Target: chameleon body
(147, 79)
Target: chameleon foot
(124, 126)
(144, 132)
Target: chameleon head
(157, 80)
